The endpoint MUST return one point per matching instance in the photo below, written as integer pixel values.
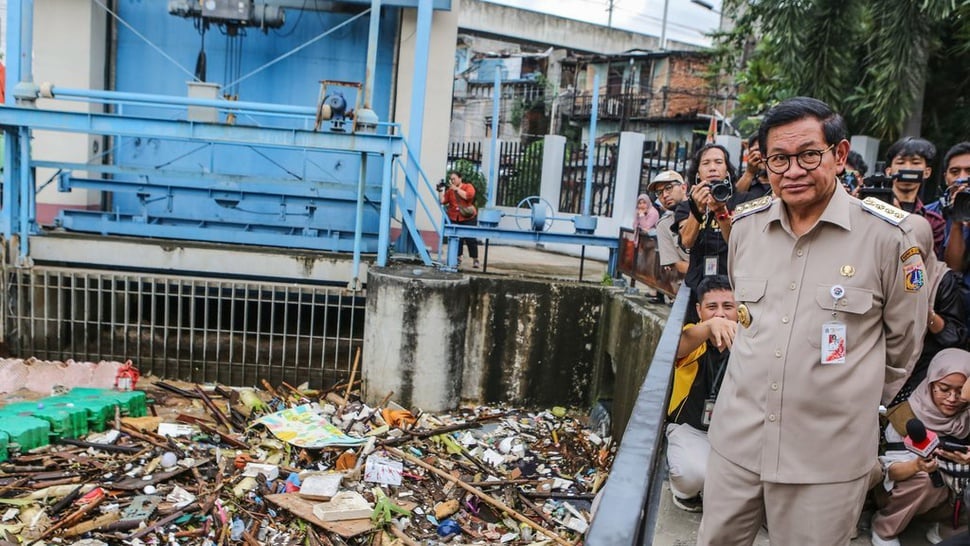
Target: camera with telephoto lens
(850, 181)
(956, 203)
(442, 186)
(721, 190)
(880, 185)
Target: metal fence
(469, 151)
(194, 329)
(574, 179)
(662, 156)
(519, 172)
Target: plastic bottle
(236, 529)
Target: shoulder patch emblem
(914, 277)
(910, 252)
(883, 210)
(751, 207)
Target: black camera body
(956, 203)
(442, 186)
(721, 190)
(880, 185)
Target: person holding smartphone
(907, 489)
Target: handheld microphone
(922, 442)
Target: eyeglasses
(807, 159)
(668, 187)
(947, 391)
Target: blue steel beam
(288, 190)
(107, 223)
(422, 47)
(107, 124)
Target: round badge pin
(837, 291)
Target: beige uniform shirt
(781, 412)
(667, 242)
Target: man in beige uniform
(830, 309)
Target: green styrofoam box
(66, 421)
(100, 410)
(133, 403)
(25, 431)
(4, 440)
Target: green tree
(870, 59)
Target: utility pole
(609, 20)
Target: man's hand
(755, 161)
(701, 194)
(722, 332)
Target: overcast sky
(686, 21)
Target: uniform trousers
(687, 450)
(907, 499)
(736, 502)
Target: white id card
(833, 343)
(710, 265)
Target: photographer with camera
(955, 206)
(909, 163)
(754, 182)
(458, 198)
(704, 218)
(854, 172)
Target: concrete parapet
(414, 336)
(436, 339)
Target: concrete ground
(676, 527)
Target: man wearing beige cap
(671, 190)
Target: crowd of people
(824, 360)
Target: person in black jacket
(946, 324)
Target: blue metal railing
(627, 512)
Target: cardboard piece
(304, 508)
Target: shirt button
(799, 252)
(772, 417)
(774, 386)
(784, 319)
(843, 303)
(778, 353)
(791, 286)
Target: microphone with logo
(922, 442)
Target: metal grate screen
(193, 329)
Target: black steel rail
(627, 512)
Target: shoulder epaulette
(884, 210)
(750, 207)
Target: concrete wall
(430, 337)
(629, 331)
(69, 50)
(530, 342)
(437, 100)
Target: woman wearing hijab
(936, 402)
(647, 214)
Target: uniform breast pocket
(750, 294)
(857, 301)
(854, 301)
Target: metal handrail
(628, 507)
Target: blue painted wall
(294, 81)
